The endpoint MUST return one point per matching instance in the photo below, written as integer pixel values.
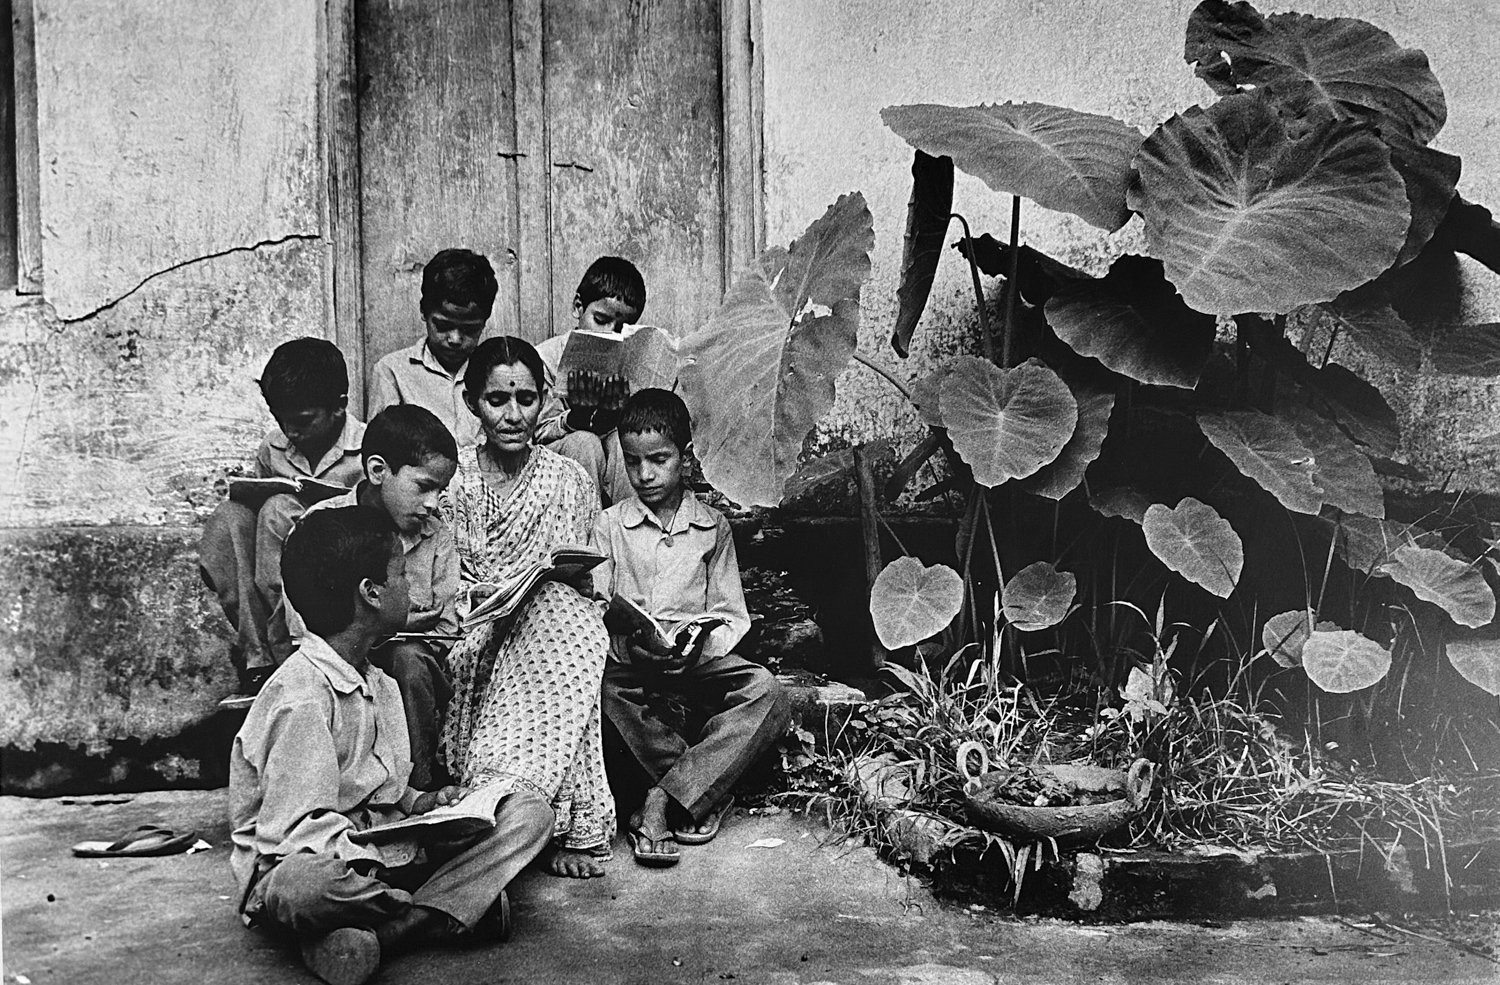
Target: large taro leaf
(1340, 470)
(1284, 635)
(1059, 158)
(1121, 501)
(1196, 542)
(926, 393)
(1038, 597)
(1366, 543)
(760, 373)
(1478, 661)
(1469, 350)
(1337, 394)
(1248, 218)
(1006, 424)
(1341, 660)
(1038, 275)
(1375, 327)
(926, 225)
(1457, 588)
(1347, 65)
(1134, 322)
(910, 601)
(1431, 178)
(1267, 450)
(1063, 474)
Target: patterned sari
(525, 708)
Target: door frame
(742, 98)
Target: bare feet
(574, 864)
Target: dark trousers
(422, 677)
(745, 707)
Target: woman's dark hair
(327, 554)
(405, 434)
(654, 409)
(461, 278)
(305, 372)
(612, 277)
(502, 350)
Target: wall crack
(292, 237)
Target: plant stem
(1012, 282)
(868, 513)
(984, 319)
(863, 359)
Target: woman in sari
(525, 710)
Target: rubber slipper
(148, 840)
(688, 836)
(640, 847)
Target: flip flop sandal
(146, 841)
(640, 848)
(689, 837)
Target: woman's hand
(438, 798)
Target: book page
(473, 813)
(646, 357)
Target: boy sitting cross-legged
(323, 755)
(306, 386)
(675, 558)
(409, 459)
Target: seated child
(675, 557)
(322, 755)
(409, 460)
(458, 293)
(306, 386)
(579, 419)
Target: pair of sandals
(648, 851)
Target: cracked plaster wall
(831, 65)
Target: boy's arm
(725, 595)
(263, 467)
(385, 392)
(445, 583)
(552, 423)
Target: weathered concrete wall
(831, 65)
(181, 214)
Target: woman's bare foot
(574, 864)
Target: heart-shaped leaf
(1366, 544)
(1469, 350)
(1063, 474)
(1267, 450)
(1340, 470)
(926, 393)
(1376, 328)
(1134, 322)
(1431, 178)
(1038, 597)
(760, 373)
(1121, 501)
(910, 601)
(926, 227)
(1247, 218)
(1006, 424)
(1284, 635)
(1196, 542)
(1457, 588)
(1340, 661)
(1059, 158)
(1478, 661)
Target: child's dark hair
(655, 409)
(405, 434)
(305, 372)
(502, 350)
(327, 554)
(613, 277)
(460, 277)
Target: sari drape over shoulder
(525, 708)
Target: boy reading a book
(306, 387)
(458, 293)
(581, 413)
(322, 756)
(409, 459)
(674, 557)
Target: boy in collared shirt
(323, 755)
(579, 418)
(306, 387)
(409, 459)
(458, 294)
(675, 557)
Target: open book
(470, 815)
(253, 492)
(497, 601)
(685, 637)
(646, 357)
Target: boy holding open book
(677, 611)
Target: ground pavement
(765, 903)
